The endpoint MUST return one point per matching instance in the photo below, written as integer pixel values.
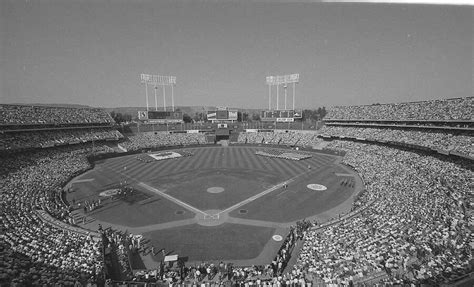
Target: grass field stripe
(257, 161)
(325, 161)
(217, 159)
(172, 199)
(282, 166)
(301, 167)
(188, 162)
(175, 165)
(197, 159)
(238, 155)
(251, 162)
(293, 169)
(207, 160)
(225, 158)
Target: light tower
(157, 80)
(156, 101)
(281, 80)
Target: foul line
(175, 200)
(252, 198)
(267, 191)
(83, 180)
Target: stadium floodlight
(281, 80)
(157, 80)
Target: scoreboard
(280, 115)
(222, 115)
(163, 115)
(160, 116)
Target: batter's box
(211, 217)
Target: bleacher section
(157, 139)
(23, 115)
(434, 110)
(30, 127)
(290, 138)
(414, 230)
(27, 139)
(41, 149)
(445, 126)
(461, 142)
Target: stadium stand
(435, 139)
(157, 139)
(44, 115)
(36, 252)
(434, 110)
(29, 139)
(41, 149)
(410, 226)
(291, 138)
(417, 231)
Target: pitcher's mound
(215, 189)
(318, 187)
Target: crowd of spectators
(283, 255)
(210, 274)
(416, 231)
(462, 143)
(438, 110)
(302, 139)
(48, 138)
(153, 140)
(43, 115)
(118, 245)
(34, 251)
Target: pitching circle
(109, 192)
(277, 237)
(215, 189)
(318, 187)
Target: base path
(265, 192)
(172, 199)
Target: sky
(93, 52)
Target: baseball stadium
(286, 143)
(360, 202)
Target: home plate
(318, 187)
